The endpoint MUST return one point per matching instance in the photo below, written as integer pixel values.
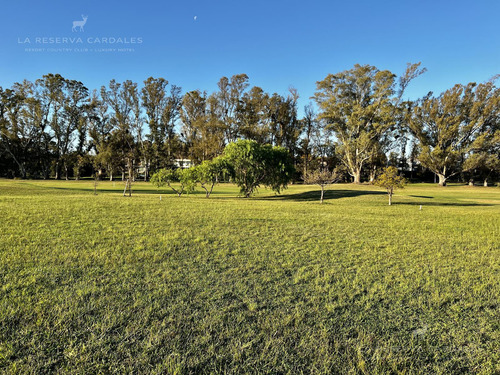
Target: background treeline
(56, 128)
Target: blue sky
(277, 43)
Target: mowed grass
(272, 284)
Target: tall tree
(14, 136)
(229, 96)
(252, 116)
(65, 103)
(359, 106)
(484, 160)
(309, 128)
(162, 109)
(194, 118)
(447, 125)
(123, 100)
(285, 128)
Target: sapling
(390, 180)
(322, 178)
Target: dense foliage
(56, 127)
(252, 164)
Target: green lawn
(272, 284)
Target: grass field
(272, 284)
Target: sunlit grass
(271, 284)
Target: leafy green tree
(284, 126)
(229, 98)
(66, 102)
(251, 115)
(252, 164)
(194, 118)
(162, 111)
(447, 126)
(359, 105)
(322, 178)
(484, 159)
(309, 128)
(185, 178)
(390, 180)
(210, 172)
(15, 134)
(124, 103)
(376, 162)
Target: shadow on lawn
(329, 194)
(140, 191)
(448, 204)
(117, 191)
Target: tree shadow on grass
(140, 191)
(116, 191)
(329, 194)
(447, 204)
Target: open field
(283, 285)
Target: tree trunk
(442, 179)
(357, 176)
(207, 194)
(128, 184)
(471, 182)
(485, 184)
(390, 199)
(372, 175)
(322, 194)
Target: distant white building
(183, 163)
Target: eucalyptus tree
(76, 112)
(285, 128)
(448, 125)
(194, 118)
(359, 105)
(251, 114)
(229, 95)
(14, 137)
(162, 109)
(53, 101)
(64, 105)
(124, 103)
(309, 128)
(484, 159)
(213, 130)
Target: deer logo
(79, 23)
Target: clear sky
(277, 43)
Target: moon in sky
(195, 18)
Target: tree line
(358, 123)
